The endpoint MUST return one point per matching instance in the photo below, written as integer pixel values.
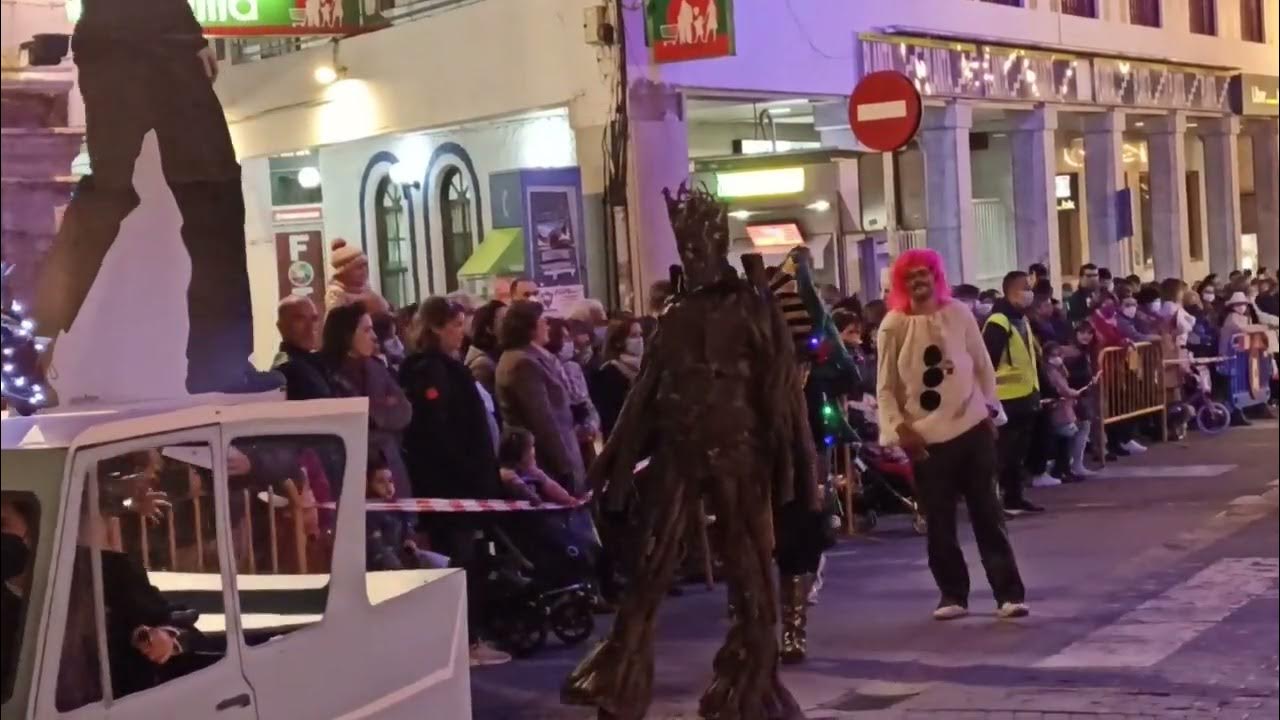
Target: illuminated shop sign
(950, 68)
(1255, 95)
(760, 183)
(276, 17)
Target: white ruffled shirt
(934, 373)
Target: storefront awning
(500, 253)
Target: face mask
(1130, 311)
(635, 346)
(393, 347)
(1055, 361)
(1021, 299)
(1154, 306)
(1240, 309)
(1106, 285)
(1207, 297)
(584, 355)
(983, 308)
(13, 556)
(566, 352)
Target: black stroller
(538, 579)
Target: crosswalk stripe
(1157, 628)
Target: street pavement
(1153, 593)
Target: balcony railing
(397, 11)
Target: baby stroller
(887, 482)
(537, 579)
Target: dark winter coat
(447, 444)
(389, 412)
(532, 396)
(305, 375)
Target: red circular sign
(884, 111)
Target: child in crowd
(1070, 432)
(350, 282)
(521, 477)
(390, 543)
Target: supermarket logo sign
(233, 18)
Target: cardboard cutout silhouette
(142, 71)
(129, 340)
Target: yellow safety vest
(1016, 374)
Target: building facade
(475, 140)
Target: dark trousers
(963, 468)
(801, 539)
(126, 95)
(1013, 446)
(1041, 445)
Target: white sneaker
(1082, 471)
(1045, 480)
(950, 612)
(483, 655)
(1011, 610)
(1134, 447)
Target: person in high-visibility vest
(1014, 350)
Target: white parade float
(269, 601)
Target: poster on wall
(679, 30)
(554, 240)
(300, 262)
(243, 18)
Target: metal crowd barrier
(1131, 385)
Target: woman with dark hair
(450, 451)
(482, 357)
(348, 352)
(532, 396)
(623, 349)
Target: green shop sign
(240, 18)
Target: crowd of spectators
(501, 400)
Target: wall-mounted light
(333, 71)
(758, 183)
(741, 215)
(309, 178)
(819, 206)
(401, 174)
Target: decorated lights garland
(19, 355)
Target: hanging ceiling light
(309, 178)
(333, 71)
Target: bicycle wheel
(1213, 418)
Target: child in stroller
(556, 548)
(888, 484)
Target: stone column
(38, 149)
(1167, 163)
(659, 159)
(1266, 187)
(1104, 179)
(944, 137)
(1033, 145)
(1222, 192)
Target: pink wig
(900, 295)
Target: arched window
(395, 256)
(456, 221)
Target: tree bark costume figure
(144, 65)
(718, 410)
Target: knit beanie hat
(343, 256)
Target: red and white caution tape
(453, 506)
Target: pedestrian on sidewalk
(937, 395)
(1014, 352)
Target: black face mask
(13, 556)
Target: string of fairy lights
(19, 354)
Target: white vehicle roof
(97, 424)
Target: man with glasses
(937, 396)
(1078, 303)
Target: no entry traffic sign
(884, 111)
